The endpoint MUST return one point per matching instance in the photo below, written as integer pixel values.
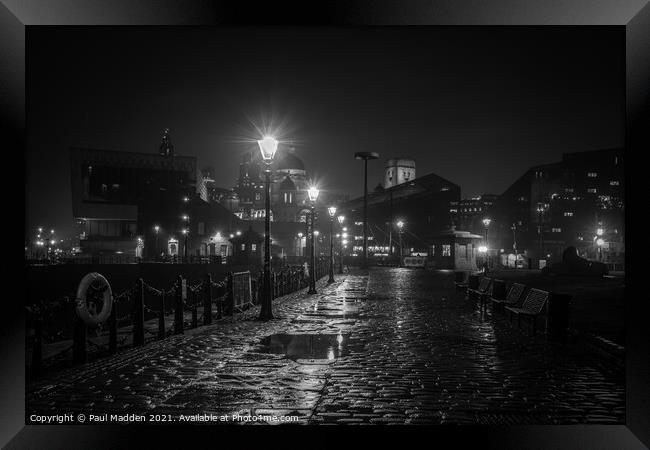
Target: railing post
(230, 300)
(178, 307)
(207, 300)
(112, 330)
(161, 316)
(79, 352)
(138, 314)
(195, 298)
(37, 349)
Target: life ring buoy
(99, 284)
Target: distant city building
(119, 197)
(468, 213)
(575, 202)
(398, 171)
(422, 204)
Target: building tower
(166, 147)
(398, 171)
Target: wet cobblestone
(421, 355)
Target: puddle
(306, 346)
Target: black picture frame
(634, 15)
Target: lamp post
(157, 230)
(486, 224)
(268, 146)
(514, 241)
(300, 244)
(365, 156)
(313, 196)
(341, 219)
(400, 226)
(186, 231)
(332, 211)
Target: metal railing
(56, 321)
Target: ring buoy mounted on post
(94, 293)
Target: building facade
(578, 202)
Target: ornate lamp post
(341, 219)
(486, 224)
(300, 244)
(186, 231)
(313, 196)
(332, 211)
(400, 226)
(365, 156)
(157, 230)
(268, 146)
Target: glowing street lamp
(312, 192)
(600, 232)
(482, 249)
(486, 224)
(332, 211)
(400, 227)
(268, 146)
(300, 244)
(341, 220)
(156, 228)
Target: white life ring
(90, 315)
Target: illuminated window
(446, 250)
(592, 174)
(591, 190)
(568, 214)
(556, 230)
(433, 250)
(614, 183)
(254, 247)
(258, 196)
(569, 190)
(243, 246)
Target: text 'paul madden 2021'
(134, 418)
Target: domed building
(289, 200)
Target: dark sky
(476, 105)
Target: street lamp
(341, 219)
(157, 230)
(332, 211)
(400, 226)
(365, 156)
(268, 146)
(486, 224)
(186, 231)
(312, 192)
(300, 244)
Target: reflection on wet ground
(306, 346)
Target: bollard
(161, 316)
(138, 314)
(178, 307)
(79, 352)
(112, 330)
(230, 300)
(37, 349)
(195, 322)
(207, 300)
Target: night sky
(477, 105)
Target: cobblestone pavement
(391, 346)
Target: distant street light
(365, 156)
(482, 249)
(486, 224)
(312, 192)
(157, 230)
(341, 220)
(332, 211)
(268, 146)
(400, 226)
(186, 231)
(600, 232)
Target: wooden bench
(482, 289)
(512, 299)
(530, 308)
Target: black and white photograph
(326, 225)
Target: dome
(289, 161)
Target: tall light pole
(365, 156)
(300, 244)
(313, 196)
(514, 241)
(186, 231)
(157, 230)
(486, 224)
(332, 211)
(400, 226)
(268, 146)
(341, 220)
